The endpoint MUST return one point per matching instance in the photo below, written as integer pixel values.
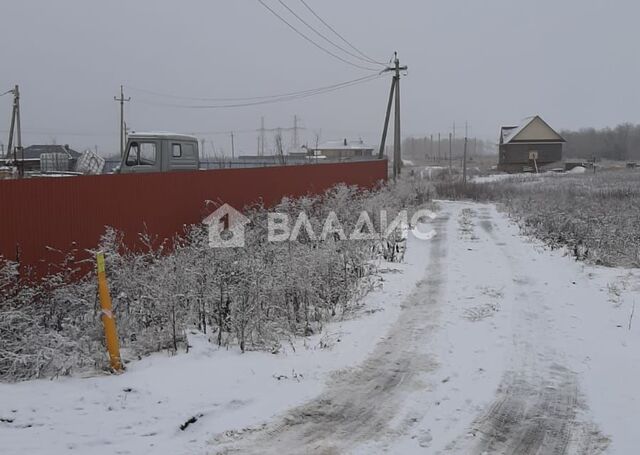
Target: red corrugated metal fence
(38, 216)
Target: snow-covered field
(483, 341)
(493, 178)
(141, 410)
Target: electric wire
(314, 30)
(250, 98)
(306, 38)
(285, 98)
(369, 59)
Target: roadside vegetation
(596, 217)
(256, 297)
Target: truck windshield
(141, 153)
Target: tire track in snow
(358, 406)
(537, 407)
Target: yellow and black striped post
(108, 319)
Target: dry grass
(595, 216)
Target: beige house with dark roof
(529, 146)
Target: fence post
(108, 319)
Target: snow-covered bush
(253, 297)
(595, 216)
(47, 328)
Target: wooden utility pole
(295, 133)
(450, 157)
(10, 148)
(439, 142)
(386, 119)
(233, 149)
(397, 140)
(464, 162)
(19, 130)
(454, 136)
(15, 130)
(431, 147)
(397, 137)
(261, 136)
(464, 156)
(122, 100)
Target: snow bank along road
(486, 343)
(502, 348)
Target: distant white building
(343, 150)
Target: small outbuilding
(529, 146)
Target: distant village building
(529, 146)
(47, 158)
(343, 150)
(333, 151)
(267, 160)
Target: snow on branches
(253, 297)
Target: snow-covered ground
(141, 410)
(483, 342)
(534, 349)
(491, 178)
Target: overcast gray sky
(491, 62)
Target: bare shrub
(595, 217)
(253, 297)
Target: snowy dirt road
(358, 405)
(482, 342)
(502, 348)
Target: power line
(314, 30)
(61, 133)
(285, 98)
(339, 35)
(220, 133)
(306, 38)
(250, 98)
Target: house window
(176, 150)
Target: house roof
(506, 132)
(544, 131)
(33, 152)
(344, 145)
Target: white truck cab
(160, 152)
